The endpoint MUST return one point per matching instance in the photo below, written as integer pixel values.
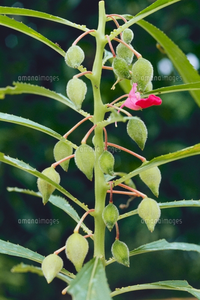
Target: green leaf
(178, 58)
(107, 55)
(160, 160)
(26, 88)
(58, 202)
(90, 283)
(11, 23)
(38, 14)
(176, 285)
(157, 5)
(173, 204)
(22, 268)
(25, 167)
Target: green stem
(99, 112)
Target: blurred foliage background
(172, 126)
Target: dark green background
(172, 126)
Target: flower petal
(150, 101)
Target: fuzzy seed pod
(106, 162)
(120, 68)
(84, 159)
(149, 211)
(76, 250)
(110, 215)
(51, 266)
(137, 130)
(152, 178)
(74, 56)
(61, 150)
(149, 87)
(127, 35)
(76, 90)
(142, 73)
(125, 53)
(45, 188)
(120, 252)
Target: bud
(74, 56)
(125, 53)
(110, 215)
(45, 188)
(51, 266)
(137, 130)
(149, 211)
(106, 162)
(61, 150)
(142, 73)
(152, 178)
(76, 250)
(120, 68)
(120, 252)
(84, 159)
(127, 35)
(76, 90)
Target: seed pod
(152, 178)
(127, 35)
(61, 150)
(110, 215)
(120, 252)
(84, 159)
(125, 53)
(106, 162)
(142, 73)
(76, 250)
(120, 68)
(51, 266)
(149, 211)
(76, 90)
(149, 87)
(137, 130)
(74, 56)
(45, 188)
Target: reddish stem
(84, 140)
(88, 235)
(122, 193)
(116, 15)
(107, 68)
(81, 36)
(128, 151)
(110, 45)
(117, 231)
(137, 54)
(106, 138)
(133, 190)
(81, 74)
(73, 128)
(76, 230)
(126, 95)
(59, 250)
(120, 109)
(111, 192)
(54, 165)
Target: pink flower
(135, 102)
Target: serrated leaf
(19, 26)
(178, 58)
(90, 283)
(38, 14)
(176, 285)
(160, 160)
(25, 167)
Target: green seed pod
(142, 73)
(120, 252)
(120, 68)
(74, 56)
(84, 159)
(149, 211)
(149, 87)
(127, 35)
(76, 250)
(125, 53)
(61, 150)
(45, 188)
(152, 178)
(137, 130)
(51, 266)
(110, 215)
(76, 90)
(106, 162)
